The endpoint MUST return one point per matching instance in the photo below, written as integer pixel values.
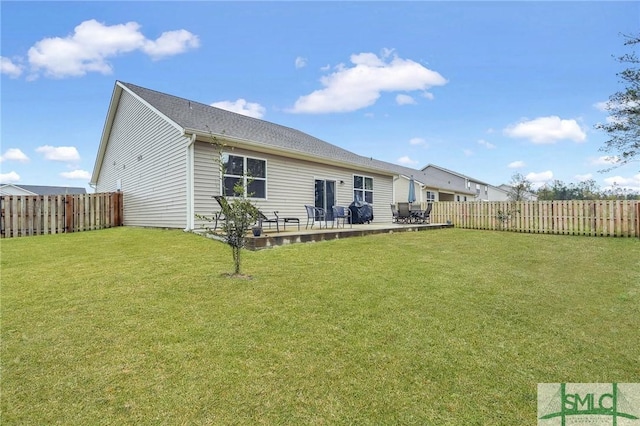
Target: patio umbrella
(412, 190)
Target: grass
(140, 326)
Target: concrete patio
(271, 238)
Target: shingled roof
(193, 117)
(50, 190)
(196, 117)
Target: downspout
(190, 158)
(393, 188)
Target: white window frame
(245, 177)
(363, 189)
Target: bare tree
(521, 188)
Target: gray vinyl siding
(401, 191)
(148, 155)
(290, 184)
(206, 182)
(497, 194)
(453, 182)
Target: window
(431, 196)
(250, 172)
(363, 189)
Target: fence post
(68, 213)
(638, 219)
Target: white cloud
(486, 144)
(428, 95)
(612, 106)
(243, 107)
(615, 108)
(585, 177)
(406, 161)
(14, 154)
(605, 160)
(301, 62)
(632, 183)
(539, 179)
(352, 88)
(59, 153)
(402, 99)
(76, 174)
(516, 164)
(417, 141)
(467, 152)
(9, 177)
(92, 43)
(170, 43)
(546, 130)
(602, 106)
(7, 66)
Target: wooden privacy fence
(611, 218)
(24, 215)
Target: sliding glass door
(326, 196)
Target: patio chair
(416, 212)
(286, 220)
(220, 215)
(340, 212)
(264, 219)
(404, 213)
(315, 214)
(425, 217)
(394, 213)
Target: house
(447, 185)
(15, 189)
(156, 148)
(498, 193)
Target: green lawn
(139, 326)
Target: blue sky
(485, 89)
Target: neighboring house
(447, 185)
(497, 193)
(156, 149)
(15, 189)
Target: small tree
(521, 188)
(239, 213)
(504, 216)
